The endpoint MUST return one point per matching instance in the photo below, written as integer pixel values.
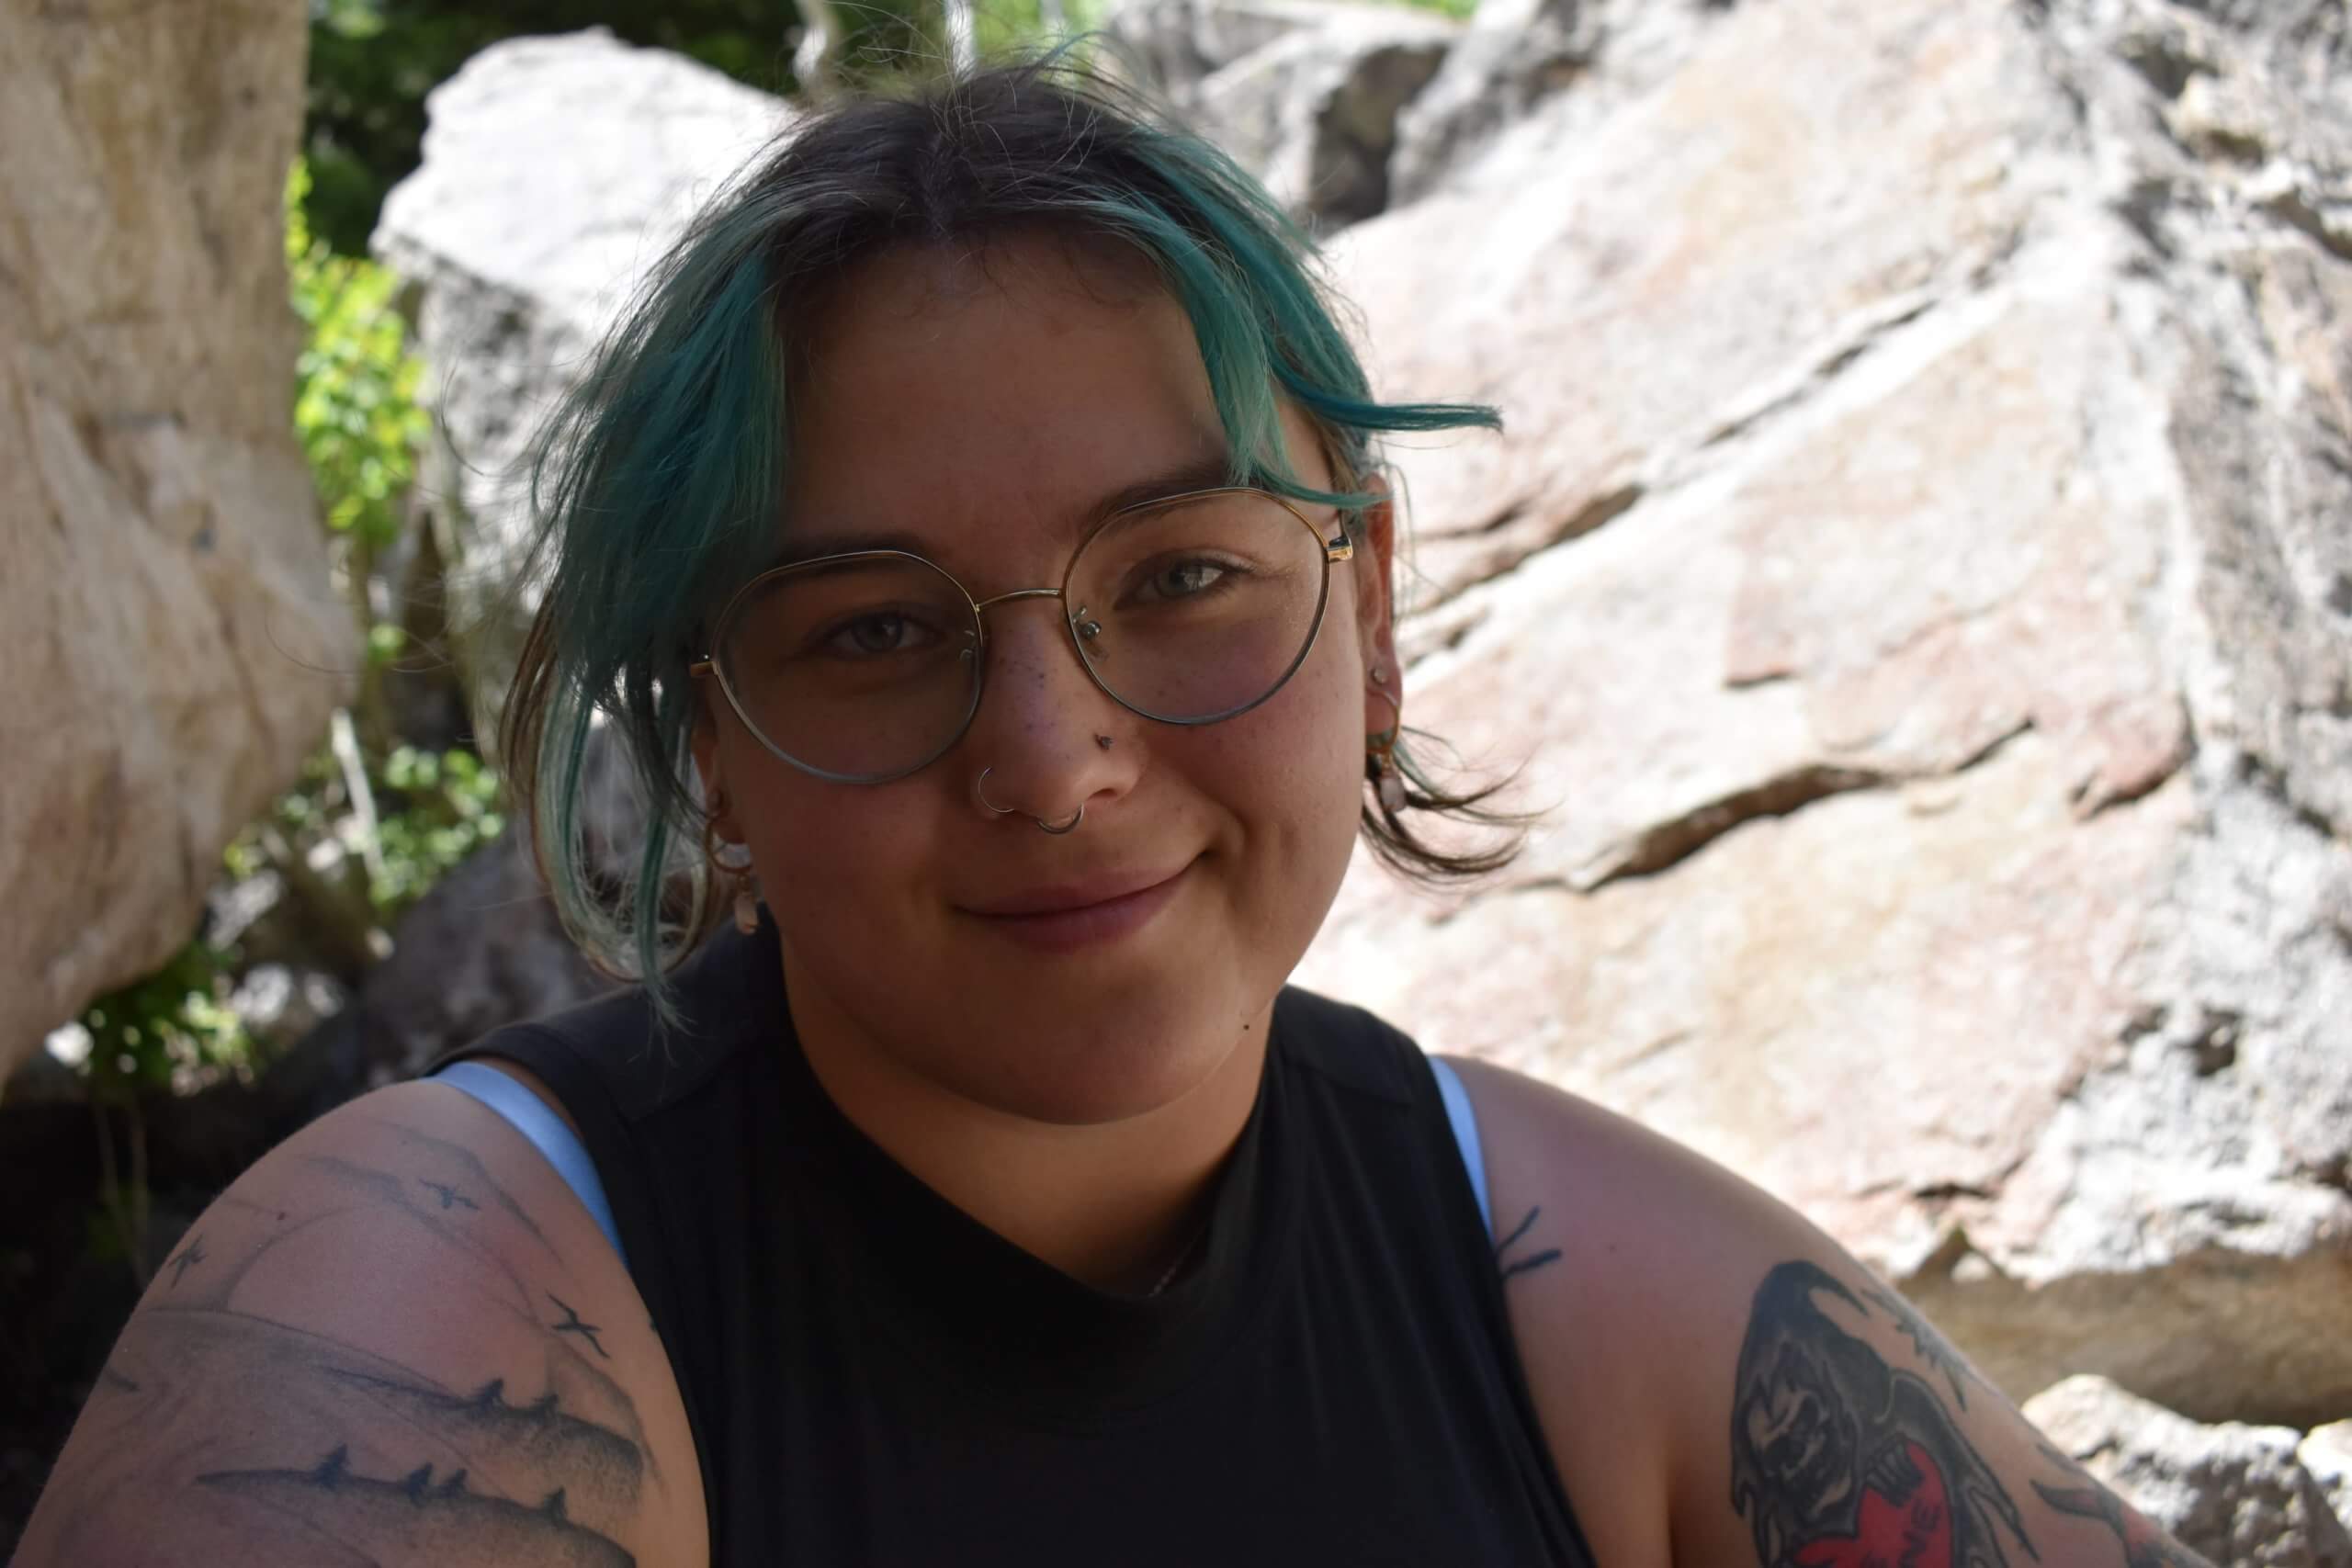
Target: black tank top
(874, 1377)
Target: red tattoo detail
(1912, 1532)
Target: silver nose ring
(981, 795)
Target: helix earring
(746, 902)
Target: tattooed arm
(398, 1339)
(1721, 1383)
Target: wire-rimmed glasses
(866, 666)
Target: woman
(978, 540)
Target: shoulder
(399, 1331)
(1720, 1381)
(1609, 1294)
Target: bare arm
(397, 1339)
(1770, 1401)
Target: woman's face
(978, 410)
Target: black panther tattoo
(1840, 1461)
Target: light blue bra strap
(1465, 1119)
(530, 1116)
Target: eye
(1191, 576)
(874, 634)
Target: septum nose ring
(981, 795)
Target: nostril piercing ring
(982, 793)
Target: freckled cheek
(1289, 766)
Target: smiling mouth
(1068, 920)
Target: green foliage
(448, 807)
(354, 399)
(1004, 24)
(172, 1030)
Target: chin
(1090, 1060)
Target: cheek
(837, 847)
(1293, 768)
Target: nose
(1039, 718)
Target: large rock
(2234, 1493)
(557, 170)
(1915, 582)
(2326, 1453)
(1170, 47)
(1519, 54)
(1306, 95)
(1314, 113)
(170, 646)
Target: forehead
(992, 394)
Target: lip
(1068, 916)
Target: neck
(1113, 1203)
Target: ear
(1374, 568)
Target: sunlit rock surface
(1918, 582)
(170, 646)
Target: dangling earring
(1380, 751)
(746, 902)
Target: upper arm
(1783, 1406)
(397, 1339)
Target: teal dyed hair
(657, 481)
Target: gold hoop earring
(746, 902)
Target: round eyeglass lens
(862, 668)
(1197, 609)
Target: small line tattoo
(1529, 1265)
(450, 1197)
(1513, 1267)
(189, 1256)
(2143, 1545)
(572, 1325)
(1928, 1345)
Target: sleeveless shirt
(872, 1376)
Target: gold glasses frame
(1331, 552)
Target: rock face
(556, 169)
(1307, 96)
(2234, 1493)
(170, 646)
(1522, 54)
(1917, 584)
(2326, 1454)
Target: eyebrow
(1209, 471)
